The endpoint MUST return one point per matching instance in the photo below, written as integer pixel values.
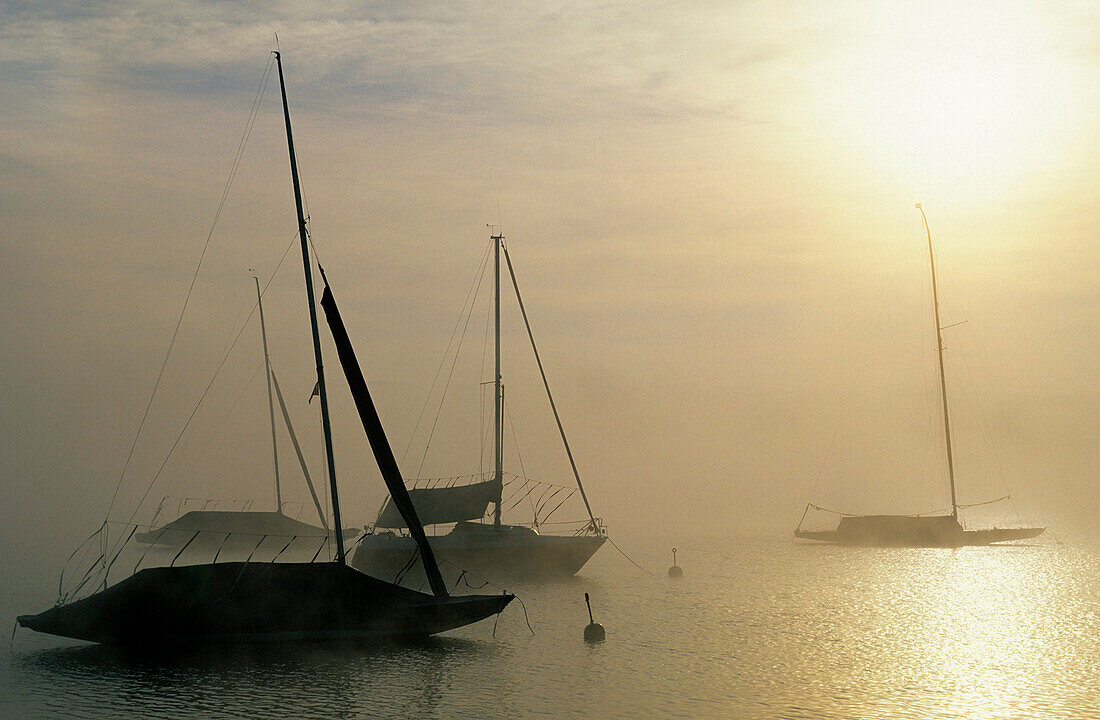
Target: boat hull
(238, 602)
(912, 531)
(996, 535)
(510, 552)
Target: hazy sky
(710, 206)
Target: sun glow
(956, 93)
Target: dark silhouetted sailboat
(918, 530)
(490, 549)
(236, 601)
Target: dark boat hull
(512, 553)
(237, 602)
(912, 531)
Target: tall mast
(943, 379)
(498, 394)
(325, 424)
(270, 401)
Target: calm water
(757, 628)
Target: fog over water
(710, 212)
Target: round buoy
(593, 632)
(675, 571)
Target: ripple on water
(756, 628)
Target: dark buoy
(594, 632)
(675, 571)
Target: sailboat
(216, 525)
(944, 530)
(489, 549)
(242, 601)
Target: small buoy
(675, 571)
(593, 632)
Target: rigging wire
(984, 423)
(623, 553)
(544, 503)
(515, 442)
(217, 432)
(547, 515)
(986, 502)
(546, 384)
(253, 113)
(61, 579)
(525, 495)
(205, 392)
(462, 578)
(938, 489)
(202, 454)
(483, 428)
(1015, 441)
(442, 399)
(467, 311)
(483, 431)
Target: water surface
(757, 628)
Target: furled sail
(383, 454)
(443, 504)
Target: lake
(758, 627)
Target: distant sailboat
(234, 601)
(215, 525)
(918, 530)
(490, 549)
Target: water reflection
(252, 680)
(754, 629)
(961, 633)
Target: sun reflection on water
(755, 629)
(972, 632)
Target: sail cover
(443, 505)
(245, 522)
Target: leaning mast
(325, 424)
(270, 401)
(943, 380)
(549, 395)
